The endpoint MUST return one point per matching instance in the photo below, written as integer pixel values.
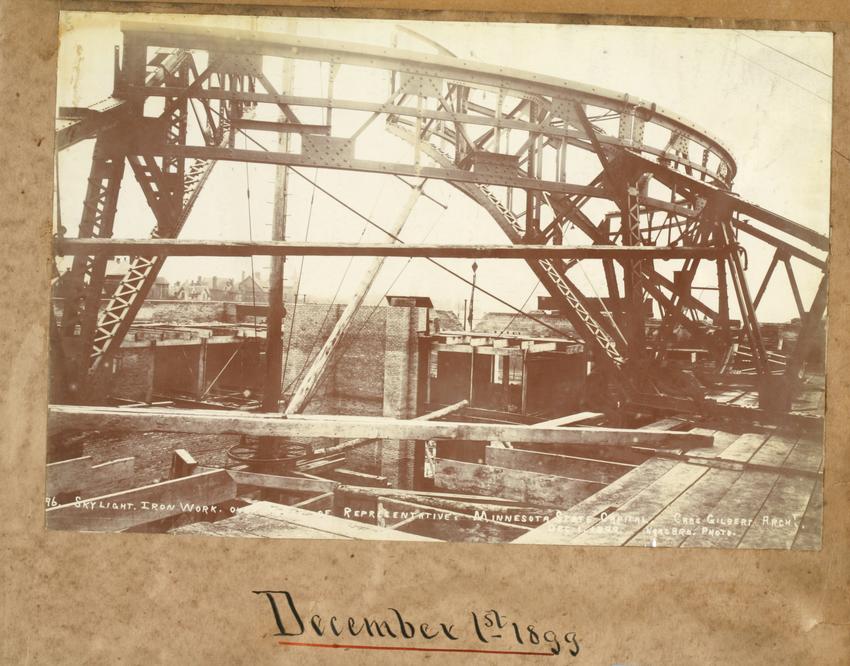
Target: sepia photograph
(400, 280)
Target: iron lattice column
(633, 274)
(84, 281)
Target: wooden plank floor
(760, 489)
(568, 524)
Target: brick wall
(354, 383)
(511, 324)
(174, 312)
(133, 373)
(176, 369)
(182, 312)
(375, 373)
(394, 458)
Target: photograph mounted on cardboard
(439, 281)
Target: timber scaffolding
(662, 406)
(667, 483)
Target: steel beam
(195, 248)
(479, 75)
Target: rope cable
(298, 281)
(251, 238)
(524, 303)
(787, 55)
(352, 338)
(309, 358)
(429, 259)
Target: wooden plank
(665, 424)
(275, 482)
(743, 448)
(321, 464)
(568, 524)
(807, 455)
(722, 441)
(253, 526)
(514, 484)
(451, 526)
(120, 511)
(732, 516)
(511, 513)
(323, 502)
(774, 452)
(420, 495)
(307, 475)
(621, 525)
(328, 524)
(811, 527)
(352, 443)
(585, 418)
(77, 417)
(468, 531)
(386, 504)
(624, 455)
(687, 513)
(776, 525)
(80, 476)
(581, 469)
(539, 347)
(357, 478)
(64, 476)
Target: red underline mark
(412, 649)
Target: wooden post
(274, 316)
(201, 369)
(524, 381)
(182, 464)
(471, 374)
(305, 389)
(267, 447)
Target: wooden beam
(182, 464)
(352, 443)
(537, 347)
(274, 482)
(323, 502)
(530, 487)
(367, 499)
(350, 529)
(168, 247)
(423, 495)
(459, 519)
(79, 476)
(221, 422)
(361, 478)
(320, 464)
(451, 348)
(568, 524)
(581, 469)
(121, 511)
(583, 418)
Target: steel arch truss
(551, 161)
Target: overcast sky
(765, 95)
